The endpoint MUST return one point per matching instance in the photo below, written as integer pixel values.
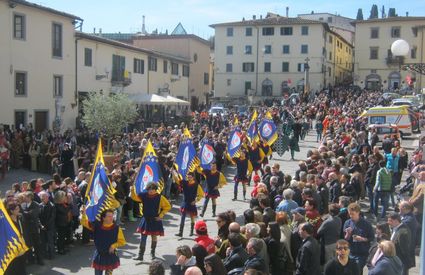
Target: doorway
(41, 121)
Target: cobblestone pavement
(79, 258)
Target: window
(329, 19)
(139, 66)
(267, 67)
(206, 78)
(285, 67)
(152, 64)
(248, 67)
(304, 30)
(186, 71)
(20, 118)
(174, 68)
(20, 83)
(165, 66)
(229, 31)
(87, 57)
(268, 49)
(330, 55)
(330, 71)
(285, 49)
(57, 86)
(229, 82)
(286, 31)
(57, 40)
(300, 67)
(118, 67)
(229, 68)
(373, 53)
(374, 33)
(268, 31)
(248, 49)
(229, 50)
(330, 39)
(413, 52)
(248, 32)
(395, 32)
(304, 49)
(19, 26)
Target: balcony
(394, 60)
(121, 79)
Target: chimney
(287, 11)
(143, 25)
(94, 30)
(254, 17)
(407, 14)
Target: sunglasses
(343, 248)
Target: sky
(125, 16)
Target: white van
(401, 116)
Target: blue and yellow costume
(215, 180)
(243, 174)
(256, 156)
(153, 208)
(105, 236)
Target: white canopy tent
(176, 100)
(149, 99)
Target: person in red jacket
(202, 237)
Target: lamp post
(400, 48)
(306, 77)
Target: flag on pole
(268, 130)
(186, 158)
(234, 143)
(149, 171)
(252, 133)
(206, 155)
(100, 192)
(12, 243)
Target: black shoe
(180, 234)
(138, 258)
(234, 199)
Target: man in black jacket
(47, 220)
(370, 179)
(237, 255)
(402, 240)
(254, 261)
(308, 258)
(31, 220)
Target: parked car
(216, 111)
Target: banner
(268, 131)
(100, 192)
(206, 156)
(12, 243)
(186, 158)
(149, 171)
(234, 143)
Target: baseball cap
(256, 178)
(298, 210)
(201, 226)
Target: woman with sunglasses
(342, 264)
(214, 265)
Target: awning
(149, 99)
(174, 100)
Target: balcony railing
(123, 79)
(394, 60)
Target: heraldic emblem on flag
(186, 158)
(207, 155)
(100, 192)
(149, 171)
(12, 243)
(234, 143)
(268, 130)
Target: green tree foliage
(374, 12)
(359, 14)
(391, 12)
(108, 115)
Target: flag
(254, 116)
(234, 143)
(206, 155)
(100, 192)
(186, 158)
(236, 120)
(252, 133)
(12, 243)
(187, 133)
(268, 130)
(149, 171)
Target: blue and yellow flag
(100, 192)
(252, 133)
(234, 143)
(268, 131)
(12, 243)
(206, 155)
(149, 171)
(186, 159)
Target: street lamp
(306, 77)
(400, 48)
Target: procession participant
(214, 180)
(243, 173)
(192, 192)
(107, 236)
(153, 207)
(256, 156)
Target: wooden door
(41, 118)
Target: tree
(374, 12)
(391, 12)
(359, 14)
(383, 15)
(108, 115)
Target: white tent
(149, 99)
(175, 100)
